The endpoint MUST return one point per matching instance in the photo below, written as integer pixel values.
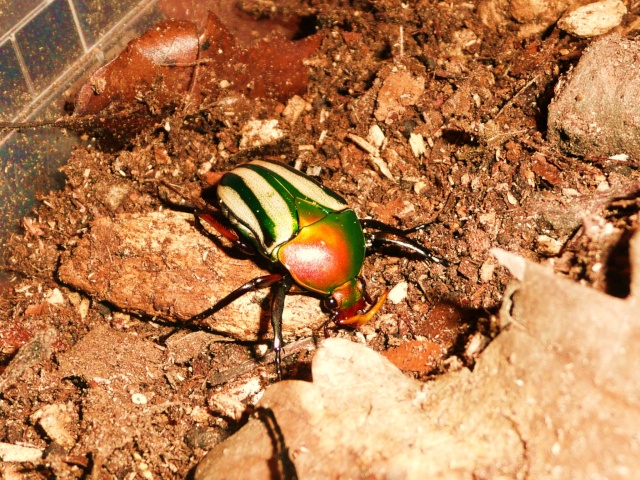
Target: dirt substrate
(414, 115)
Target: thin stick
(69, 122)
(518, 93)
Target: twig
(518, 93)
(219, 378)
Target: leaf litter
(415, 115)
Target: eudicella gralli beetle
(311, 236)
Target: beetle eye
(330, 303)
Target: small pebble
(376, 136)
(398, 293)
(593, 19)
(139, 399)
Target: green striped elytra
(312, 237)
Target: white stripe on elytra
(271, 202)
(306, 186)
(230, 198)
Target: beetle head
(348, 301)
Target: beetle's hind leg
(385, 236)
(225, 231)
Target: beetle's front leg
(277, 307)
(378, 240)
(374, 224)
(388, 236)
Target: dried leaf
(157, 70)
(144, 63)
(556, 394)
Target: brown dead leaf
(157, 70)
(556, 394)
(144, 63)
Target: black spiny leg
(283, 284)
(374, 224)
(255, 284)
(277, 307)
(388, 236)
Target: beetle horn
(361, 319)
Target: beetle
(312, 238)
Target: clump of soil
(414, 115)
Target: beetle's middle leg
(256, 284)
(277, 307)
(282, 284)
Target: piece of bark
(159, 265)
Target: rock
(593, 19)
(295, 107)
(55, 297)
(231, 402)
(57, 421)
(398, 293)
(379, 412)
(566, 358)
(530, 17)
(257, 133)
(596, 109)
(416, 142)
(399, 90)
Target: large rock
(596, 110)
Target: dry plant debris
(554, 395)
(415, 114)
